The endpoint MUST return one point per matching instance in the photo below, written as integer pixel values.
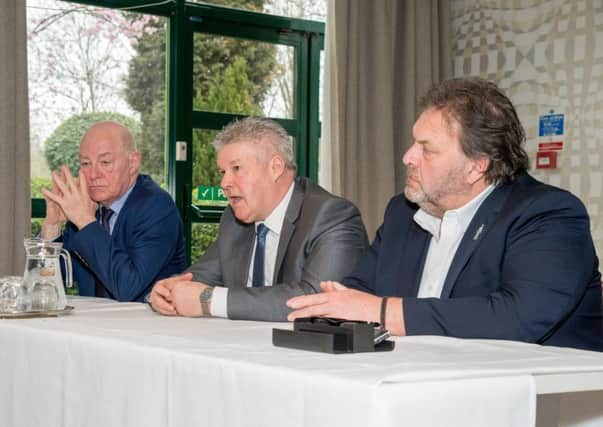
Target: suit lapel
(478, 228)
(413, 256)
(242, 250)
(293, 210)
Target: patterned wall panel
(548, 56)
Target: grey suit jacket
(322, 239)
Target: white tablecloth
(110, 364)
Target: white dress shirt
(274, 223)
(447, 233)
(116, 207)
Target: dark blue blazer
(147, 244)
(525, 270)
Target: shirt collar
(462, 215)
(117, 205)
(274, 221)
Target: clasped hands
(68, 199)
(177, 295)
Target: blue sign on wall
(550, 124)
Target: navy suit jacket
(146, 245)
(525, 270)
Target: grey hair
(258, 129)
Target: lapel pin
(478, 233)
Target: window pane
(315, 10)
(205, 169)
(36, 226)
(203, 235)
(233, 75)
(88, 64)
(205, 188)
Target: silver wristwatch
(205, 299)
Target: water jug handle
(69, 279)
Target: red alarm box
(546, 160)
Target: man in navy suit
(123, 231)
(475, 247)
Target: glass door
(231, 64)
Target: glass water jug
(43, 278)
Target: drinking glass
(44, 296)
(14, 297)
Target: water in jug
(43, 278)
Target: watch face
(206, 294)
(205, 299)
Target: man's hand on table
(161, 295)
(177, 295)
(340, 302)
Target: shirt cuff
(219, 298)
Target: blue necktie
(257, 280)
(106, 213)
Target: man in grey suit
(279, 237)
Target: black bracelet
(383, 310)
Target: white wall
(546, 55)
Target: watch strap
(205, 300)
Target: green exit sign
(210, 193)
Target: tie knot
(106, 215)
(261, 231)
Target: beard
(434, 201)
(426, 201)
